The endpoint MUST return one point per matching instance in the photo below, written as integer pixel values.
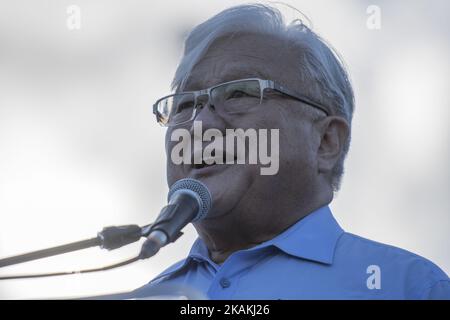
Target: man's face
(240, 189)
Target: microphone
(189, 200)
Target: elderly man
(273, 236)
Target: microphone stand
(109, 238)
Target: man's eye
(238, 94)
(184, 105)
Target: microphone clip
(163, 223)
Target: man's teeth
(209, 161)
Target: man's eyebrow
(230, 75)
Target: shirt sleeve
(439, 291)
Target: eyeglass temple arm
(294, 95)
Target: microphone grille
(199, 189)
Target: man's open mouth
(213, 160)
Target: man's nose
(210, 118)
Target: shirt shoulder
(400, 270)
(157, 285)
(169, 271)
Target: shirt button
(225, 283)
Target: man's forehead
(199, 80)
(244, 56)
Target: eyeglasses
(233, 97)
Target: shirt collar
(313, 238)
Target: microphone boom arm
(109, 238)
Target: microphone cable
(110, 238)
(63, 273)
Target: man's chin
(228, 189)
(227, 184)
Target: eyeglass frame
(263, 85)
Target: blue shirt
(313, 259)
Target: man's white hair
(321, 71)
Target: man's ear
(334, 132)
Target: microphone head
(196, 189)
